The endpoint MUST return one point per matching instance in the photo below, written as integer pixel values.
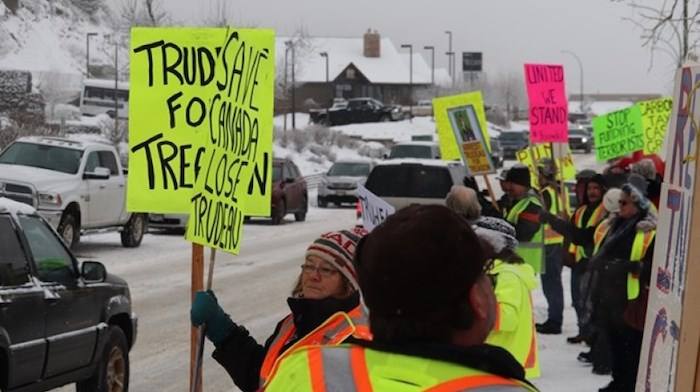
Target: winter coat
(611, 264)
(514, 329)
(242, 356)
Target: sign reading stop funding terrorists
(618, 133)
(200, 127)
(549, 113)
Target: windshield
(411, 151)
(56, 158)
(512, 136)
(276, 173)
(349, 169)
(576, 131)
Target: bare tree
(507, 91)
(668, 27)
(54, 88)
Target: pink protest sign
(548, 107)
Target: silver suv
(339, 184)
(402, 182)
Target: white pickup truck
(78, 186)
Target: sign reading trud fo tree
(669, 357)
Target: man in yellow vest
(553, 248)
(422, 274)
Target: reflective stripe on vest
(641, 243)
(533, 251)
(596, 217)
(475, 383)
(551, 237)
(333, 331)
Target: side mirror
(93, 271)
(100, 173)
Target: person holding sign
(624, 247)
(524, 215)
(554, 253)
(325, 309)
(423, 275)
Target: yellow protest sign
(655, 114)
(530, 156)
(190, 87)
(463, 132)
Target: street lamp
(290, 46)
(410, 80)
(449, 53)
(325, 55)
(432, 63)
(87, 53)
(114, 40)
(450, 57)
(580, 66)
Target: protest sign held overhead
(655, 114)
(374, 209)
(618, 133)
(192, 88)
(549, 111)
(463, 132)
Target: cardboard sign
(549, 110)
(191, 87)
(565, 164)
(618, 133)
(669, 355)
(374, 209)
(462, 131)
(655, 114)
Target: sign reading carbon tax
(201, 102)
(618, 133)
(655, 114)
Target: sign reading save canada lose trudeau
(618, 133)
(549, 112)
(200, 127)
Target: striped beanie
(338, 249)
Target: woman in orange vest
(325, 309)
(622, 257)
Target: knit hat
(463, 201)
(639, 182)
(645, 168)
(498, 233)
(419, 263)
(338, 249)
(519, 174)
(611, 200)
(503, 175)
(600, 180)
(637, 196)
(585, 174)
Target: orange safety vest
(333, 331)
(596, 217)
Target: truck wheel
(134, 230)
(300, 215)
(281, 212)
(112, 373)
(322, 203)
(68, 230)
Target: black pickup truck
(357, 110)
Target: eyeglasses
(323, 271)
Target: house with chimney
(322, 69)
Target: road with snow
(253, 287)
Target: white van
(420, 150)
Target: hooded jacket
(514, 329)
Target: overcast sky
(508, 32)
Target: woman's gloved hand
(206, 310)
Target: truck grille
(17, 192)
(342, 185)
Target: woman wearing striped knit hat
(325, 309)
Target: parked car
(580, 139)
(78, 186)
(289, 192)
(339, 184)
(423, 108)
(61, 321)
(402, 182)
(413, 149)
(357, 110)
(513, 141)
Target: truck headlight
(584, 140)
(49, 199)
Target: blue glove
(206, 309)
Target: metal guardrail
(313, 180)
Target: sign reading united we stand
(549, 113)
